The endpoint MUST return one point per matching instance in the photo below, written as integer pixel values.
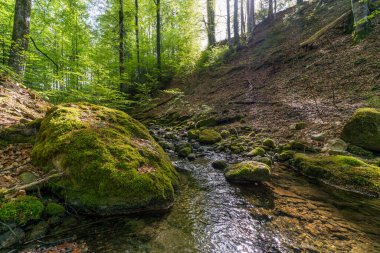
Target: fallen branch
(324, 30)
(30, 185)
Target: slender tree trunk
(249, 25)
(20, 40)
(360, 12)
(242, 17)
(123, 85)
(229, 24)
(275, 7)
(270, 10)
(299, 2)
(211, 22)
(236, 22)
(252, 15)
(137, 38)
(158, 33)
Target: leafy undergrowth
(275, 82)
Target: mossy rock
(269, 143)
(219, 164)
(363, 129)
(299, 146)
(54, 209)
(248, 171)
(236, 149)
(298, 126)
(257, 152)
(193, 134)
(225, 134)
(209, 136)
(359, 151)
(185, 151)
(111, 163)
(344, 171)
(21, 210)
(286, 155)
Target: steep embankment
(275, 81)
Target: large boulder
(110, 162)
(363, 129)
(248, 171)
(344, 171)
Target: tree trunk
(137, 38)
(249, 25)
(211, 22)
(229, 24)
(252, 15)
(360, 12)
(123, 85)
(270, 10)
(20, 36)
(242, 17)
(299, 2)
(236, 22)
(158, 33)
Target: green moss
(225, 134)
(286, 155)
(345, 171)
(112, 164)
(193, 134)
(248, 171)
(359, 151)
(257, 152)
(185, 151)
(269, 143)
(236, 149)
(21, 210)
(54, 209)
(363, 129)
(298, 146)
(209, 136)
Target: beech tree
(229, 24)
(123, 85)
(20, 36)
(236, 22)
(210, 25)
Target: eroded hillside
(275, 81)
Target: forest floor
(275, 82)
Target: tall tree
(158, 34)
(122, 70)
(229, 24)
(210, 26)
(242, 17)
(270, 10)
(251, 15)
(20, 36)
(137, 38)
(236, 22)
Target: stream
(289, 214)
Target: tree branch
(39, 50)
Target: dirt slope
(275, 82)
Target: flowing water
(289, 214)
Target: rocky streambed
(289, 213)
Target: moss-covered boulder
(344, 171)
(257, 152)
(209, 136)
(110, 162)
(363, 129)
(247, 172)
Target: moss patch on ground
(21, 210)
(345, 171)
(112, 165)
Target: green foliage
(21, 210)
(54, 209)
(215, 56)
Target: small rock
(319, 137)
(248, 171)
(298, 126)
(335, 146)
(219, 164)
(10, 238)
